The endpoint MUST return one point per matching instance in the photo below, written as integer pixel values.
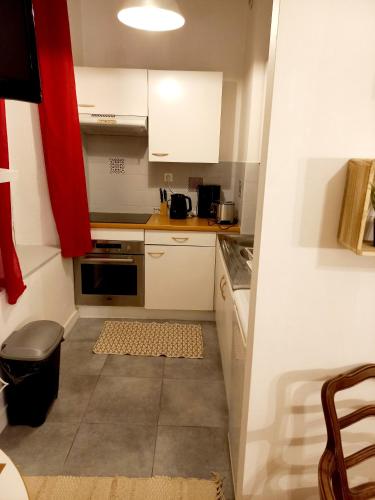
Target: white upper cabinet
(184, 116)
(111, 91)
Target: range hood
(107, 124)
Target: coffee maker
(207, 196)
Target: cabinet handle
(156, 255)
(86, 105)
(179, 240)
(160, 154)
(108, 121)
(222, 288)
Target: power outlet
(194, 182)
(168, 177)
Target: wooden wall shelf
(356, 206)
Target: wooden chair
(333, 479)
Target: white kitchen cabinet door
(111, 91)
(180, 238)
(223, 302)
(184, 116)
(236, 396)
(179, 278)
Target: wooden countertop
(164, 223)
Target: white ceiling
(213, 37)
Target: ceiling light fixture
(151, 15)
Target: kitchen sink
(238, 256)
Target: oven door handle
(96, 260)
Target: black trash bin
(30, 363)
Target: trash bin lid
(34, 342)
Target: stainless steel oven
(112, 274)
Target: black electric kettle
(178, 208)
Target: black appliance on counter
(178, 208)
(207, 196)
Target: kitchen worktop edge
(163, 223)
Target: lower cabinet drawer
(179, 278)
(180, 238)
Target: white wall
(75, 22)
(253, 81)
(42, 298)
(252, 105)
(137, 189)
(32, 215)
(248, 204)
(314, 310)
(212, 38)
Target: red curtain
(60, 127)
(10, 272)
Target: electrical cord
(224, 227)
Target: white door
(236, 395)
(179, 278)
(184, 116)
(111, 91)
(219, 300)
(223, 315)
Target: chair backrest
(333, 479)
(327, 472)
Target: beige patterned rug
(122, 488)
(174, 340)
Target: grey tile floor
(128, 415)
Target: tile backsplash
(120, 178)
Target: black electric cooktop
(120, 218)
